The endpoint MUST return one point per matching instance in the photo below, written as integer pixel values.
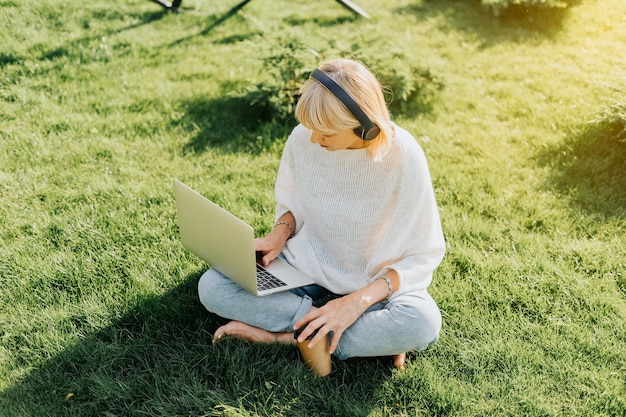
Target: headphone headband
(368, 130)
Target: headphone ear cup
(370, 134)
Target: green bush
(614, 121)
(408, 88)
(287, 68)
(500, 6)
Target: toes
(398, 361)
(219, 334)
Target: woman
(356, 211)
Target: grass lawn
(103, 103)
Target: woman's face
(342, 140)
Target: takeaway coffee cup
(317, 358)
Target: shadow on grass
(75, 46)
(517, 23)
(590, 167)
(214, 22)
(159, 360)
(231, 124)
(322, 21)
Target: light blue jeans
(408, 322)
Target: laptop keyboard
(265, 280)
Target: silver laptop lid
(216, 236)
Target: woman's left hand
(339, 314)
(335, 316)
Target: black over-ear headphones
(368, 130)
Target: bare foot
(249, 333)
(398, 360)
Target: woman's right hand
(270, 246)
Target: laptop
(227, 244)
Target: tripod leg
(163, 3)
(354, 8)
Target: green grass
(103, 104)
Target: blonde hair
(318, 109)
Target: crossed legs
(410, 322)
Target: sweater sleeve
(285, 188)
(413, 244)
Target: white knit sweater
(356, 217)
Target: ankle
(285, 339)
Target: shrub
(287, 68)
(500, 6)
(589, 167)
(614, 121)
(407, 88)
